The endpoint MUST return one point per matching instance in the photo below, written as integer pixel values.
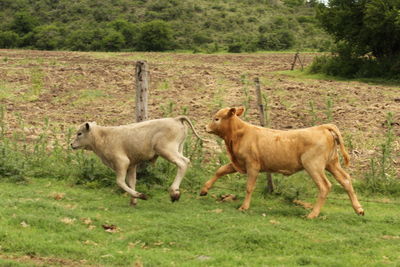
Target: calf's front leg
(131, 179)
(252, 174)
(223, 170)
(121, 169)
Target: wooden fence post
(297, 57)
(270, 186)
(142, 89)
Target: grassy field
(47, 222)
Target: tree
(366, 26)
(47, 37)
(113, 40)
(155, 35)
(9, 39)
(23, 23)
(129, 30)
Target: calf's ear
(239, 111)
(87, 126)
(231, 112)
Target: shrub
(280, 40)
(86, 39)
(130, 32)
(113, 40)
(80, 40)
(346, 63)
(201, 38)
(23, 22)
(235, 47)
(155, 35)
(47, 37)
(9, 39)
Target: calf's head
(221, 121)
(83, 138)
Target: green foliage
(359, 28)
(48, 37)
(382, 175)
(9, 39)
(113, 40)
(160, 25)
(23, 22)
(155, 35)
(129, 31)
(280, 40)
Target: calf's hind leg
(324, 187)
(344, 179)
(172, 154)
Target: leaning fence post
(270, 186)
(142, 89)
(294, 60)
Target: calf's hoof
(143, 196)
(203, 193)
(243, 208)
(360, 211)
(175, 195)
(133, 202)
(312, 215)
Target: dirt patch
(44, 261)
(68, 88)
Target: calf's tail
(184, 118)
(340, 142)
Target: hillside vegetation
(130, 25)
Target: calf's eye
(216, 119)
(79, 134)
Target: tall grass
(49, 155)
(381, 177)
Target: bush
(200, 38)
(155, 35)
(130, 32)
(280, 40)
(235, 47)
(346, 63)
(113, 40)
(80, 40)
(23, 22)
(86, 39)
(47, 37)
(9, 39)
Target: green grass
(196, 231)
(320, 76)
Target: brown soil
(45, 261)
(74, 87)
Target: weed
(329, 109)
(246, 92)
(313, 113)
(266, 110)
(37, 76)
(168, 108)
(381, 177)
(164, 86)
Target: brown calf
(254, 149)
